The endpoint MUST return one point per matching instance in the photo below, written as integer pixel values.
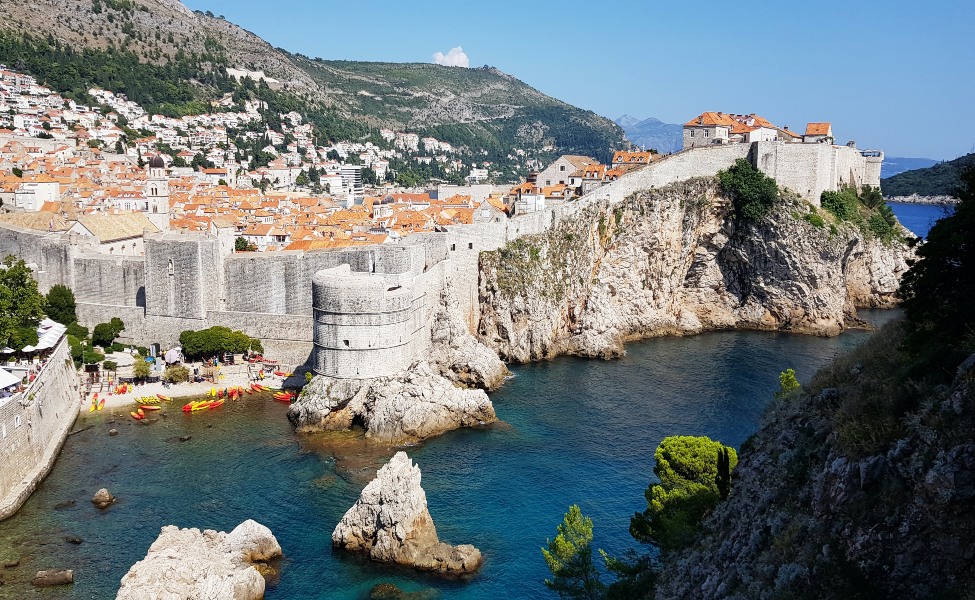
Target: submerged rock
(388, 591)
(391, 523)
(188, 563)
(53, 577)
(103, 499)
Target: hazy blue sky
(897, 75)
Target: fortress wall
(102, 279)
(180, 272)
(31, 434)
(49, 254)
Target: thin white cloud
(454, 58)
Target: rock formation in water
(839, 496)
(188, 563)
(390, 522)
(675, 261)
(103, 499)
(434, 395)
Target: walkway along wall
(33, 428)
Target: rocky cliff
(861, 486)
(391, 523)
(675, 261)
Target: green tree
(104, 334)
(788, 384)
(60, 304)
(242, 245)
(687, 468)
(176, 374)
(569, 558)
(214, 341)
(21, 304)
(752, 192)
(938, 290)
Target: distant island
(938, 181)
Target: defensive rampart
(33, 426)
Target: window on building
(470, 246)
(707, 133)
(561, 167)
(346, 342)
(692, 133)
(172, 269)
(17, 421)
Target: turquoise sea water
(574, 431)
(919, 217)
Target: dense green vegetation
(60, 305)
(105, 334)
(939, 290)
(752, 192)
(215, 341)
(21, 304)
(940, 180)
(694, 475)
(160, 88)
(866, 209)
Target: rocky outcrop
(856, 485)
(103, 499)
(390, 522)
(432, 396)
(675, 261)
(53, 577)
(188, 563)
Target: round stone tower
(365, 326)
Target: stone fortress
(366, 311)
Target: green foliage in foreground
(752, 192)
(21, 304)
(939, 291)
(215, 341)
(788, 384)
(569, 558)
(176, 374)
(866, 210)
(688, 490)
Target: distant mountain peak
(652, 133)
(627, 121)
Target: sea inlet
(573, 431)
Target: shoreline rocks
(391, 523)
(188, 563)
(53, 577)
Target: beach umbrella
(28, 348)
(172, 355)
(7, 350)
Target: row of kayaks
(202, 405)
(283, 396)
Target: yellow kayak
(92, 408)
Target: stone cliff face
(443, 391)
(839, 496)
(675, 261)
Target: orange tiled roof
(817, 129)
(711, 119)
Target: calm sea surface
(574, 430)
(919, 217)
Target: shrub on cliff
(939, 290)
(688, 468)
(752, 192)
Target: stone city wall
(33, 428)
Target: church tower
(157, 193)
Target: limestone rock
(411, 406)
(674, 261)
(391, 523)
(188, 563)
(53, 577)
(103, 499)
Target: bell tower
(157, 193)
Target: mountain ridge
(489, 112)
(653, 133)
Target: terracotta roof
(110, 228)
(818, 129)
(709, 119)
(40, 221)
